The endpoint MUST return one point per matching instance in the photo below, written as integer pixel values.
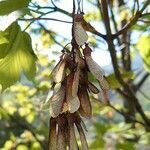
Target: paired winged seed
(75, 83)
(82, 137)
(93, 88)
(94, 68)
(52, 134)
(58, 73)
(57, 102)
(72, 102)
(72, 137)
(80, 34)
(85, 108)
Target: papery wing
(93, 88)
(58, 73)
(72, 137)
(57, 102)
(52, 134)
(80, 34)
(75, 83)
(94, 68)
(72, 102)
(104, 84)
(85, 108)
(84, 144)
(61, 141)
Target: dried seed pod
(104, 84)
(72, 137)
(93, 88)
(61, 141)
(94, 68)
(52, 134)
(85, 108)
(58, 73)
(80, 34)
(105, 89)
(82, 137)
(57, 102)
(75, 82)
(62, 129)
(72, 102)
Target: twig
(126, 115)
(133, 20)
(53, 3)
(48, 31)
(141, 82)
(120, 112)
(38, 18)
(144, 95)
(115, 23)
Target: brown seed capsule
(72, 102)
(85, 108)
(56, 103)
(58, 72)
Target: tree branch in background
(39, 18)
(141, 82)
(133, 20)
(49, 32)
(115, 63)
(26, 126)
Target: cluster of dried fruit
(71, 100)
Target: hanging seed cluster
(71, 100)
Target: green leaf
(10, 34)
(3, 39)
(18, 57)
(114, 83)
(143, 46)
(8, 6)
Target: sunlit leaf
(143, 46)
(3, 39)
(8, 6)
(114, 83)
(16, 57)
